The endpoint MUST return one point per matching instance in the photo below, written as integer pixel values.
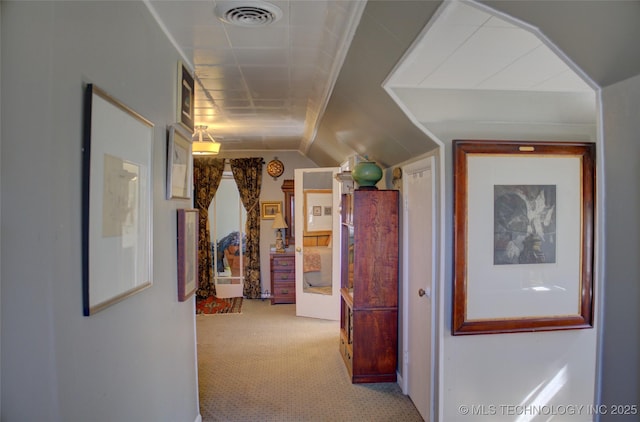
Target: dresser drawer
(285, 263)
(284, 293)
(284, 277)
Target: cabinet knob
(298, 249)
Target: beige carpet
(266, 364)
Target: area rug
(214, 305)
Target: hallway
(266, 364)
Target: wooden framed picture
(318, 220)
(116, 201)
(185, 97)
(269, 209)
(187, 253)
(523, 236)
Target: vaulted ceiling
(334, 78)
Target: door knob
(421, 292)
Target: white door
(419, 276)
(317, 215)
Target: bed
(317, 270)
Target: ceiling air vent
(247, 13)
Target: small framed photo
(317, 208)
(188, 220)
(185, 97)
(523, 236)
(269, 209)
(179, 164)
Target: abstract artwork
(524, 224)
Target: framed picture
(179, 164)
(185, 97)
(187, 253)
(116, 201)
(318, 220)
(269, 209)
(523, 236)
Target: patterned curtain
(247, 173)
(207, 173)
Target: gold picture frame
(269, 209)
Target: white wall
(492, 372)
(484, 377)
(134, 361)
(508, 369)
(621, 313)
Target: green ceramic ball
(367, 174)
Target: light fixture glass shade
(206, 148)
(202, 146)
(278, 222)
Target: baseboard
(401, 383)
(198, 418)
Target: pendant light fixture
(203, 146)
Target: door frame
(424, 164)
(309, 304)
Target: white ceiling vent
(247, 13)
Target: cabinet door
(375, 248)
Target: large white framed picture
(116, 201)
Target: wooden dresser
(283, 278)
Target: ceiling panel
(276, 76)
(487, 52)
(262, 56)
(264, 37)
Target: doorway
(317, 229)
(228, 238)
(419, 286)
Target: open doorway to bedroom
(228, 238)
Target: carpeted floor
(266, 364)
(214, 305)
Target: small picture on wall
(317, 221)
(524, 223)
(269, 209)
(185, 97)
